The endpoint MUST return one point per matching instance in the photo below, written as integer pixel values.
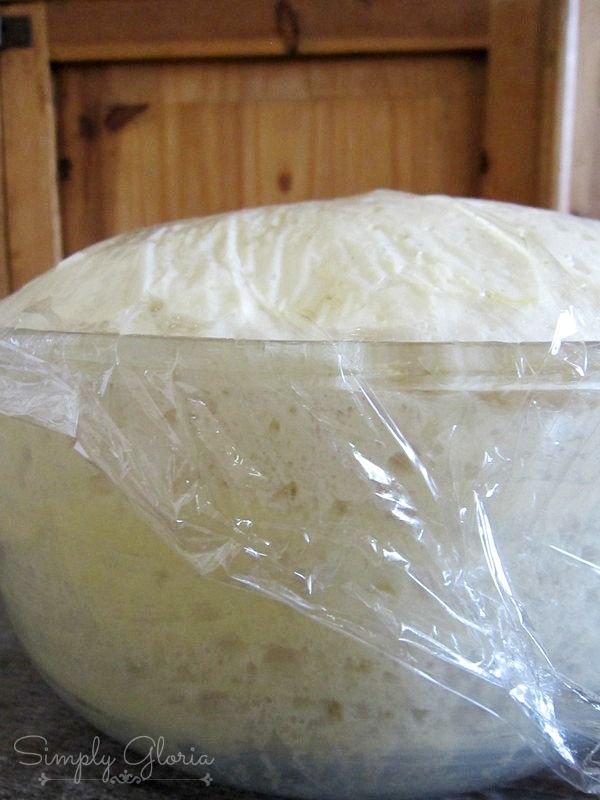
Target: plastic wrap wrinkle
(416, 505)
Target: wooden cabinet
(124, 113)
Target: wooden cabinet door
(144, 143)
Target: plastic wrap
(437, 502)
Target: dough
(273, 443)
(385, 265)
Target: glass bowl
(339, 569)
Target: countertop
(28, 707)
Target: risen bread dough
(385, 265)
(142, 644)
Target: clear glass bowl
(264, 549)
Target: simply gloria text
(142, 752)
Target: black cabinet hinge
(15, 31)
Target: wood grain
(4, 273)
(90, 30)
(204, 138)
(584, 195)
(33, 220)
(552, 108)
(521, 100)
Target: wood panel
(584, 193)
(4, 274)
(33, 222)
(552, 101)
(145, 143)
(522, 98)
(142, 29)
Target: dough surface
(384, 265)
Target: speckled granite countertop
(28, 707)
